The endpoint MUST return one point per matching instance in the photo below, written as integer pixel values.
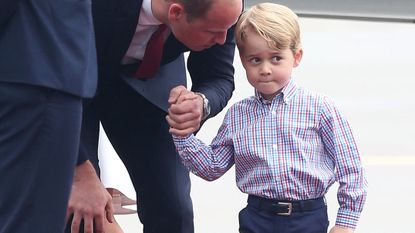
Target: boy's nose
(265, 69)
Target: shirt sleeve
(88, 145)
(341, 146)
(207, 161)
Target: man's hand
(185, 112)
(337, 229)
(89, 201)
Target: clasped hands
(185, 111)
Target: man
(132, 109)
(47, 64)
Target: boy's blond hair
(275, 23)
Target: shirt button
(274, 147)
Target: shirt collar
(286, 93)
(146, 14)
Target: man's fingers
(187, 107)
(183, 125)
(88, 225)
(180, 118)
(109, 211)
(186, 96)
(76, 223)
(181, 130)
(68, 215)
(176, 92)
(99, 224)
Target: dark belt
(285, 207)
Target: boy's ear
(297, 57)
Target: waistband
(285, 208)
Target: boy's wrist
(339, 229)
(347, 218)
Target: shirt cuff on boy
(347, 218)
(182, 142)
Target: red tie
(152, 56)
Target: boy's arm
(207, 162)
(341, 147)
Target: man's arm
(88, 148)
(89, 200)
(212, 73)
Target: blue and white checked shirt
(291, 148)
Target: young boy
(288, 145)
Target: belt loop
(259, 202)
(301, 206)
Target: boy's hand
(337, 229)
(185, 112)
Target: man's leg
(39, 138)
(139, 133)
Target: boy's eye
(276, 58)
(254, 60)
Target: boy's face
(268, 70)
